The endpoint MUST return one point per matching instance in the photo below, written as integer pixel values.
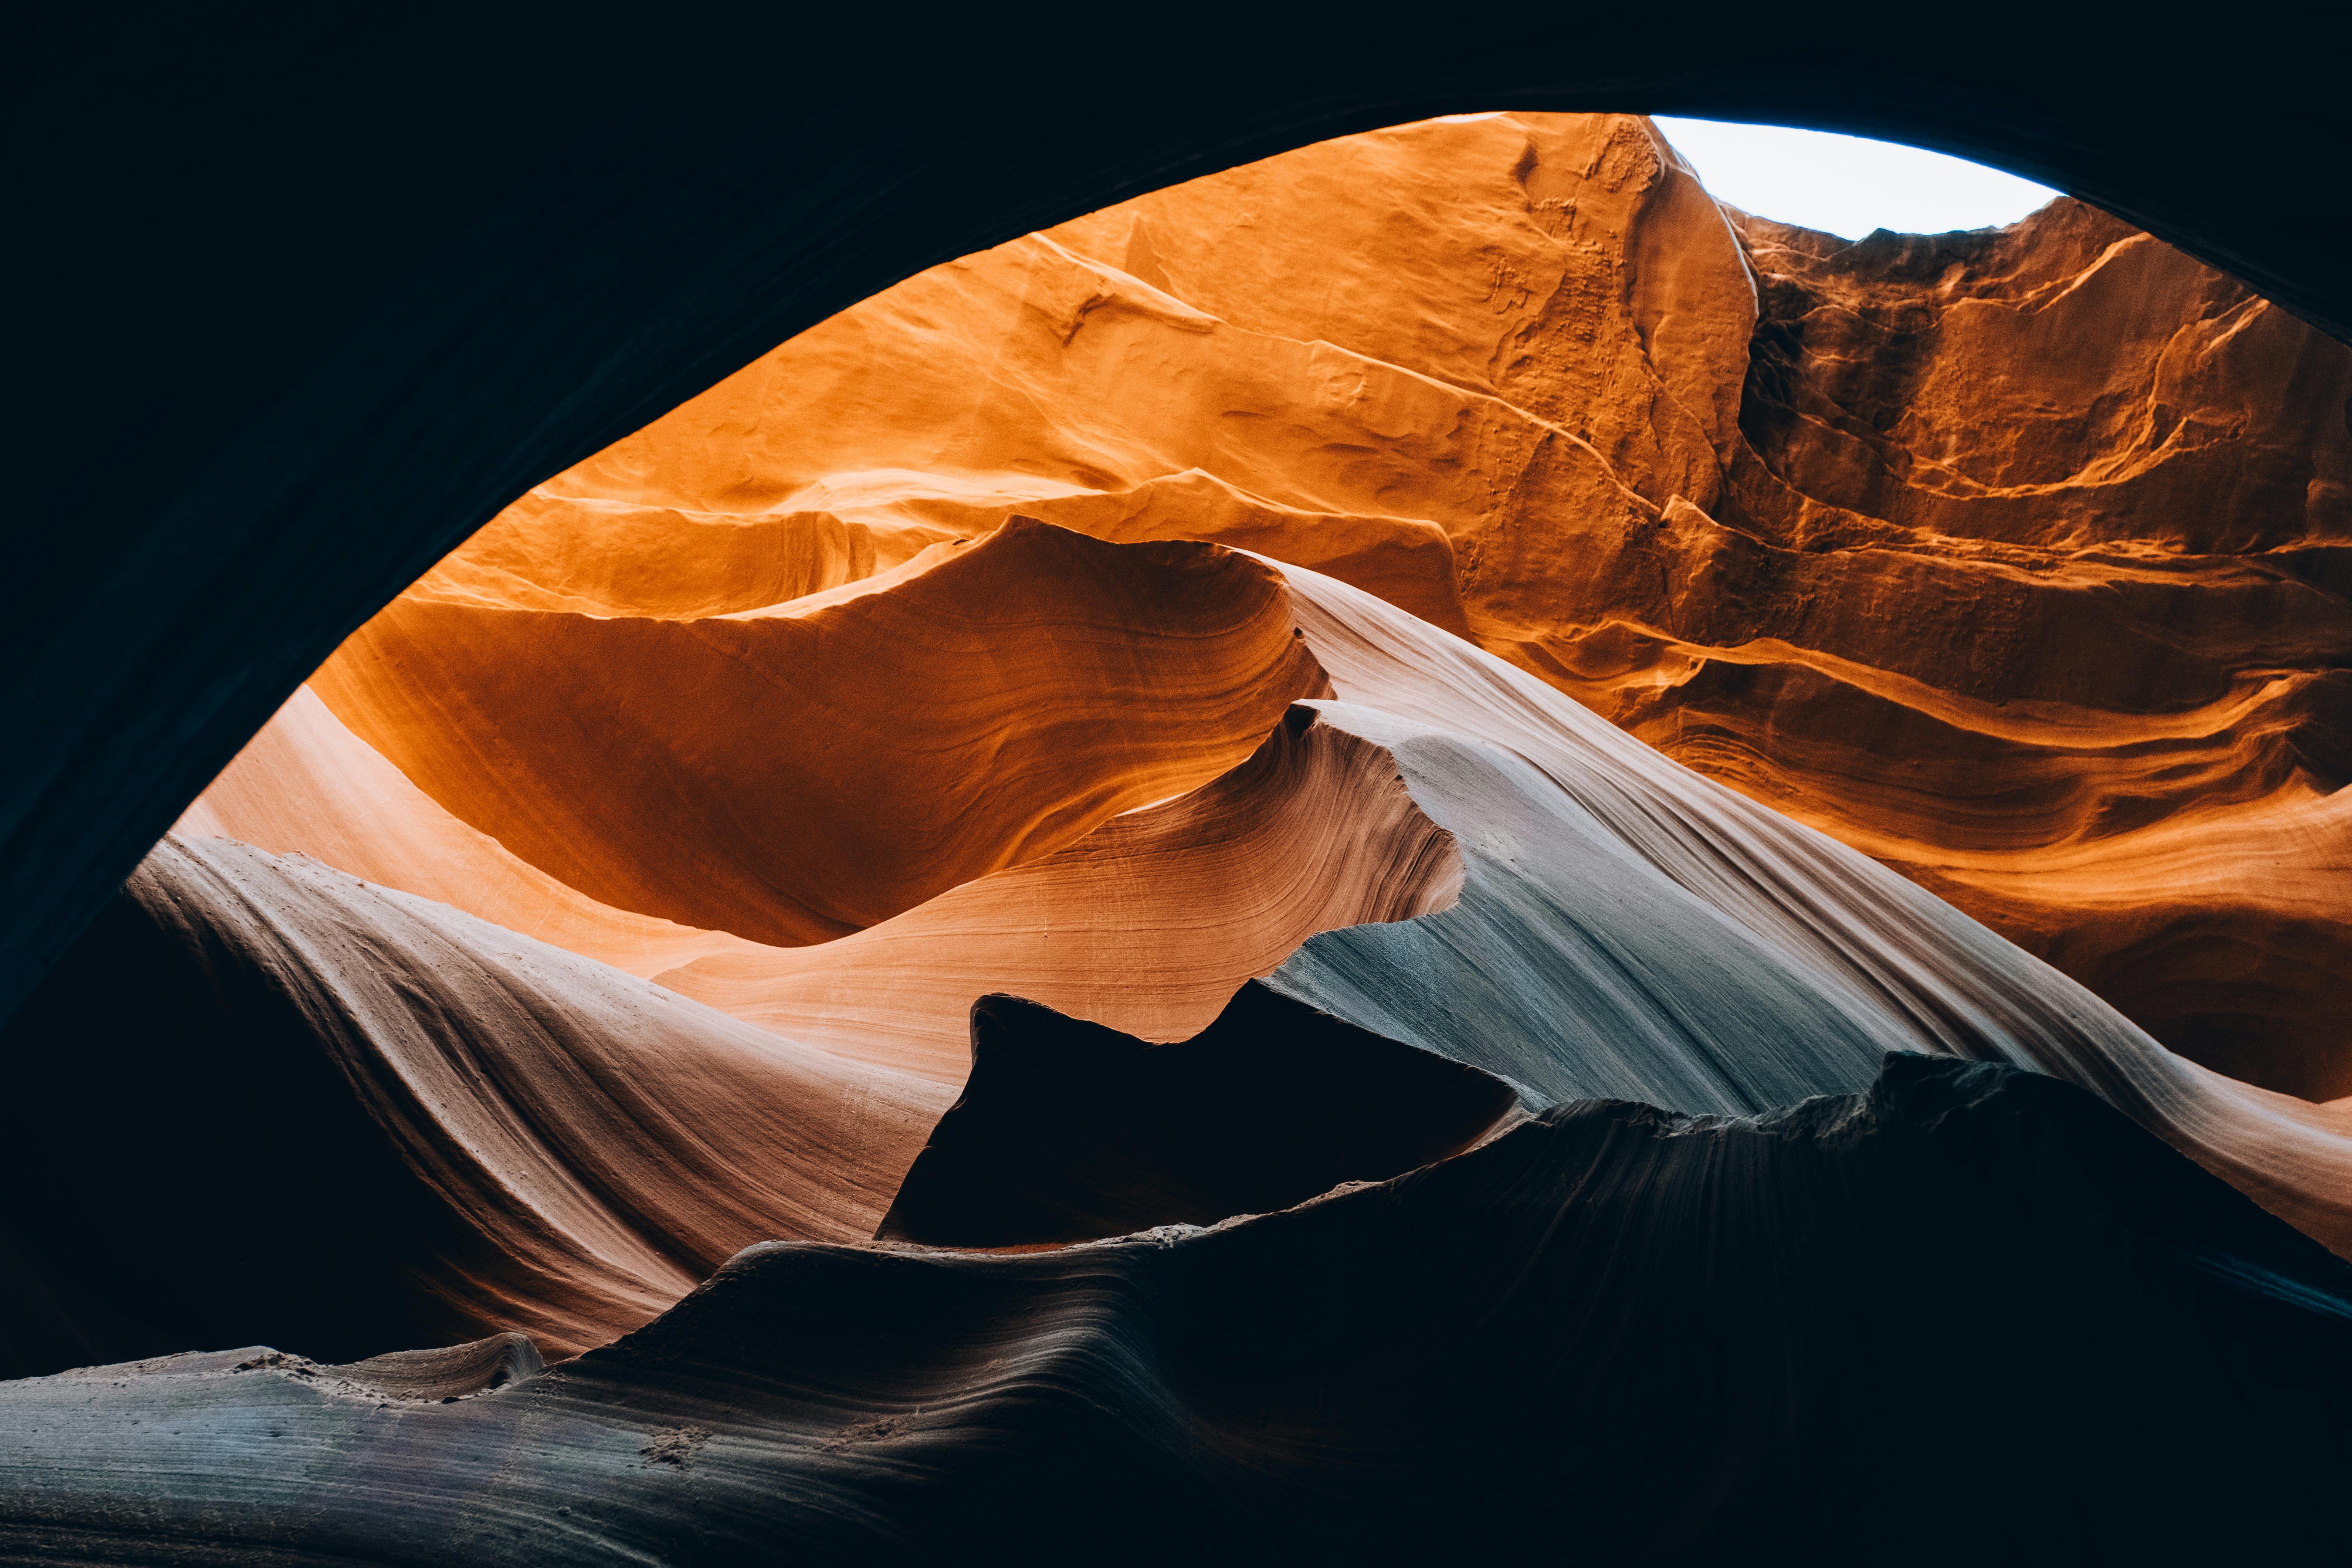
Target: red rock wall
(2013, 559)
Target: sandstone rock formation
(1520, 888)
(789, 805)
(2009, 558)
(262, 1093)
(1446, 660)
(2118, 722)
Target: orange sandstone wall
(2014, 558)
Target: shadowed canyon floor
(1672, 1339)
(1306, 849)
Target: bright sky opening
(1846, 184)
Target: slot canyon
(1429, 847)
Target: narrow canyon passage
(1430, 818)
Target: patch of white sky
(1847, 185)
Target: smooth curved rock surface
(307, 785)
(762, 772)
(1523, 888)
(1682, 1334)
(1628, 928)
(1147, 925)
(264, 1098)
(1791, 510)
(466, 272)
(2011, 558)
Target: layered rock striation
(759, 771)
(262, 1098)
(2012, 558)
(1445, 854)
(1377, 829)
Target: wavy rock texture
(751, 772)
(1795, 1336)
(1250, 639)
(1146, 925)
(1518, 887)
(350, 1119)
(1504, 880)
(307, 785)
(1629, 928)
(2013, 559)
(2117, 722)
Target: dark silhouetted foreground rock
(1070, 1131)
(1972, 1315)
